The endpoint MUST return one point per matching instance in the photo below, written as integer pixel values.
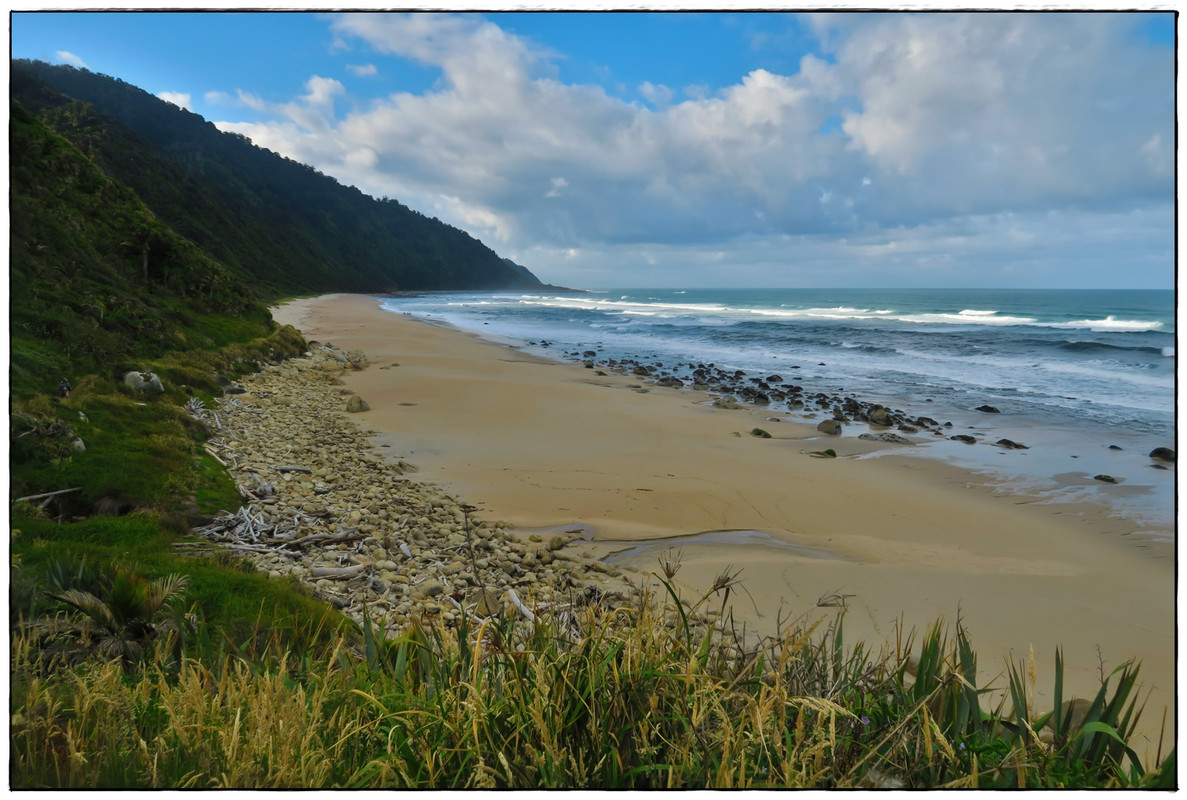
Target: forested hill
(281, 226)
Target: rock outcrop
(147, 382)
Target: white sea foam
(1111, 323)
(968, 316)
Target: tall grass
(648, 695)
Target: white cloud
(179, 99)
(363, 70)
(659, 96)
(557, 185)
(944, 118)
(66, 57)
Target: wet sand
(545, 444)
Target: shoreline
(543, 444)
(1034, 449)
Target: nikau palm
(124, 623)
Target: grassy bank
(641, 696)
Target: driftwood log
(338, 573)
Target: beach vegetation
(651, 694)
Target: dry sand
(545, 444)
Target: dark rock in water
(1158, 466)
(671, 381)
(1163, 454)
(963, 437)
(947, 424)
(879, 415)
(774, 379)
(1010, 444)
(760, 433)
(830, 426)
(1104, 478)
(988, 410)
(1114, 447)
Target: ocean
(1085, 378)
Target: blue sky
(705, 149)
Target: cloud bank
(934, 149)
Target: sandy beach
(546, 444)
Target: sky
(710, 149)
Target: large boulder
(830, 426)
(879, 415)
(1163, 454)
(144, 382)
(356, 404)
(987, 409)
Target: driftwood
(338, 573)
(47, 495)
(519, 606)
(318, 538)
(285, 468)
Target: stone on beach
(892, 438)
(830, 426)
(356, 404)
(1163, 454)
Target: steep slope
(96, 277)
(280, 224)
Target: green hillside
(281, 225)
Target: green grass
(644, 696)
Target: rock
(79, 445)
(760, 433)
(988, 410)
(830, 426)
(144, 382)
(963, 437)
(1104, 478)
(892, 438)
(429, 589)
(356, 404)
(878, 415)
(829, 453)
(671, 381)
(1163, 454)
(489, 604)
(1010, 444)
(1114, 447)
